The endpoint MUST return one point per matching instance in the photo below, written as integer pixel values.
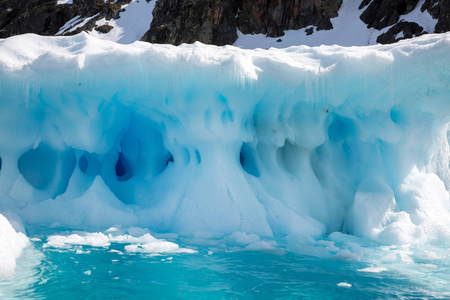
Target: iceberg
(198, 139)
(12, 244)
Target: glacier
(206, 141)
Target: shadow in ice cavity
(0, 163)
(169, 160)
(89, 164)
(247, 160)
(199, 158)
(340, 128)
(47, 168)
(123, 170)
(290, 156)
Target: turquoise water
(100, 274)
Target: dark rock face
(215, 21)
(45, 17)
(23, 16)
(440, 8)
(401, 30)
(186, 21)
(272, 17)
(104, 28)
(382, 13)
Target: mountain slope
(245, 23)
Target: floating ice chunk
(143, 244)
(373, 270)
(80, 251)
(97, 239)
(12, 244)
(146, 238)
(88, 272)
(158, 246)
(344, 284)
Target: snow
(424, 19)
(62, 2)
(69, 24)
(348, 30)
(133, 23)
(399, 35)
(74, 24)
(12, 244)
(219, 142)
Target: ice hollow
(201, 138)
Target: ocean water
(111, 273)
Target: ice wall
(200, 138)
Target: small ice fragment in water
(112, 229)
(372, 270)
(344, 284)
(88, 272)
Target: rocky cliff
(47, 17)
(218, 21)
